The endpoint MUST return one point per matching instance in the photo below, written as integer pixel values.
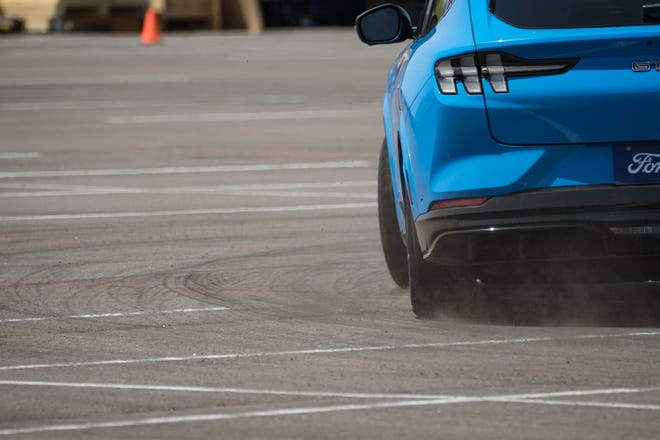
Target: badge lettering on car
(646, 66)
(645, 163)
(636, 164)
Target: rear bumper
(588, 229)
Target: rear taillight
(496, 67)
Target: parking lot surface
(189, 248)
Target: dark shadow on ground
(611, 305)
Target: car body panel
(448, 144)
(601, 99)
(410, 80)
(563, 134)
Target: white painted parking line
(109, 105)
(235, 117)
(86, 105)
(260, 193)
(27, 190)
(306, 195)
(528, 397)
(191, 170)
(298, 411)
(196, 389)
(321, 351)
(31, 187)
(197, 418)
(582, 393)
(4, 156)
(114, 315)
(219, 211)
(634, 406)
(94, 80)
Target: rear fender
(394, 155)
(407, 182)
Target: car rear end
(567, 172)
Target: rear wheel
(423, 289)
(394, 248)
(433, 287)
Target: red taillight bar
(459, 203)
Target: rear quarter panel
(416, 131)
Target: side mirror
(385, 24)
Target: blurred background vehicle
(10, 24)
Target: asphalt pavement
(189, 248)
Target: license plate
(637, 163)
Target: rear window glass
(575, 13)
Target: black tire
(432, 287)
(424, 295)
(394, 249)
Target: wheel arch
(407, 182)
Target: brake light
(496, 67)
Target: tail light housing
(495, 67)
(458, 203)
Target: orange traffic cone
(150, 29)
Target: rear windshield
(576, 13)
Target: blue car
(522, 144)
